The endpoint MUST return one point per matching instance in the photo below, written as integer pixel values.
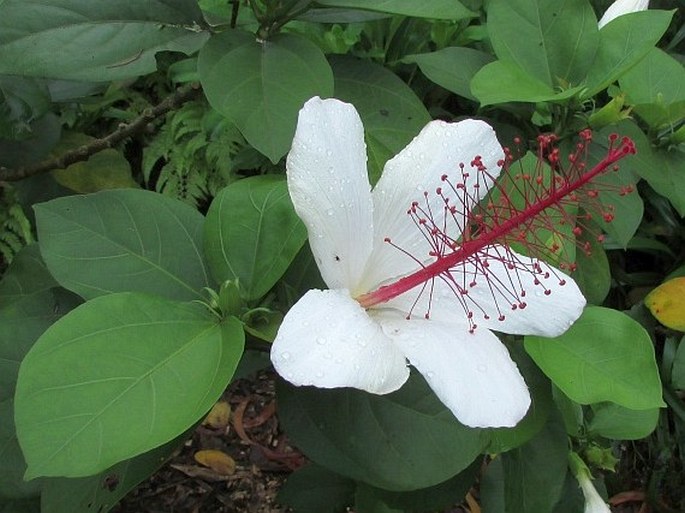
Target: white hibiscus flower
(329, 340)
(621, 7)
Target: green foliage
(109, 386)
(194, 155)
(15, 228)
(372, 438)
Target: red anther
(521, 213)
(600, 238)
(613, 137)
(547, 292)
(522, 305)
(387, 239)
(517, 140)
(501, 317)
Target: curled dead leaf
(218, 416)
(218, 461)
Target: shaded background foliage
(142, 153)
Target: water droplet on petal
(285, 355)
(430, 375)
(482, 368)
(319, 374)
(321, 341)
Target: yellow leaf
(218, 461)
(218, 417)
(667, 303)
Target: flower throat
(547, 212)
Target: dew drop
(328, 355)
(329, 212)
(319, 374)
(305, 324)
(338, 361)
(430, 375)
(321, 341)
(285, 355)
(482, 368)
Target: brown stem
(124, 131)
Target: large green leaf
(662, 169)
(656, 87)
(486, 86)
(553, 41)
(392, 113)
(402, 441)
(253, 234)
(29, 303)
(434, 498)
(94, 40)
(534, 474)
(118, 376)
(25, 276)
(123, 240)
(261, 85)
(452, 67)
(618, 423)
(99, 493)
(315, 489)
(435, 9)
(623, 43)
(604, 356)
(627, 209)
(12, 465)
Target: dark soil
(263, 460)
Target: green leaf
(534, 474)
(252, 234)
(619, 423)
(12, 464)
(26, 275)
(261, 85)
(315, 489)
(435, 9)
(552, 41)
(107, 169)
(604, 356)
(112, 40)
(486, 86)
(678, 371)
(592, 274)
(452, 67)
(118, 376)
(434, 498)
(101, 492)
(123, 240)
(391, 112)
(623, 43)
(662, 169)
(656, 87)
(402, 441)
(627, 209)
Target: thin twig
(124, 131)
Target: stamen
(541, 212)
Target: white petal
(621, 7)
(327, 340)
(593, 501)
(492, 291)
(329, 186)
(438, 150)
(471, 373)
